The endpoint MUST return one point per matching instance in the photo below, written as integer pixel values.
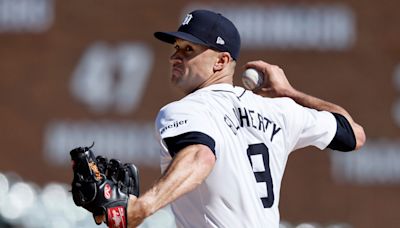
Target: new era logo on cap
(206, 28)
(220, 41)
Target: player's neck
(217, 78)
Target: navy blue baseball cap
(206, 28)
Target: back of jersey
(253, 138)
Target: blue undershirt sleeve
(177, 143)
(344, 139)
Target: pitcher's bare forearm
(188, 169)
(317, 103)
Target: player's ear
(223, 58)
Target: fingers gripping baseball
(103, 187)
(275, 81)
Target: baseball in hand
(252, 79)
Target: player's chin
(181, 85)
(176, 76)
(174, 79)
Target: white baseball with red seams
(252, 79)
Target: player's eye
(184, 49)
(188, 48)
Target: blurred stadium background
(77, 71)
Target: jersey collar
(220, 86)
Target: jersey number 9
(258, 155)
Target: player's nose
(175, 58)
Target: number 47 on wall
(112, 78)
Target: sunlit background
(73, 72)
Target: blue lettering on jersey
(251, 119)
(231, 124)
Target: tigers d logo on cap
(187, 19)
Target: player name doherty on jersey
(250, 118)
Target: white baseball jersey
(251, 137)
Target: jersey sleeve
(183, 123)
(308, 127)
